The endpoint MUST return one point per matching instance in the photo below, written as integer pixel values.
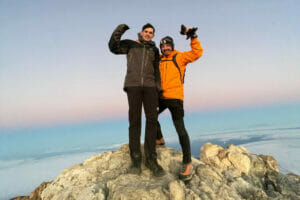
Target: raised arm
(195, 53)
(116, 45)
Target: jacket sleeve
(116, 45)
(157, 72)
(194, 54)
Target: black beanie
(167, 40)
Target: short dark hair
(148, 25)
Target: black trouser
(176, 108)
(146, 96)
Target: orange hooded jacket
(172, 81)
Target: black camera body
(191, 33)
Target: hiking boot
(187, 172)
(160, 141)
(135, 167)
(154, 167)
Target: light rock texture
(230, 174)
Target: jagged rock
(230, 174)
(233, 157)
(21, 198)
(36, 194)
(176, 190)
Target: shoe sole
(186, 178)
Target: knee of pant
(177, 116)
(152, 121)
(135, 126)
(182, 133)
(135, 121)
(179, 125)
(151, 116)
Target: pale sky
(55, 65)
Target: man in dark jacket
(142, 83)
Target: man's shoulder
(148, 46)
(129, 41)
(176, 53)
(154, 48)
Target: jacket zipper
(142, 70)
(166, 71)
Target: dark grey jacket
(142, 59)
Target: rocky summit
(221, 173)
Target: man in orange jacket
(172, 69)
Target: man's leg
(184, 140)
(176, 108)
(134, 95)
(159, 137)
(150, 102)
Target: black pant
(146, 96)
(176, 108)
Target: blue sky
(55, 66)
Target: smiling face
(147, 34)
(166, 49)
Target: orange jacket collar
(171, 54)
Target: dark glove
(123, 27)
(191, 33)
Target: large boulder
(231, 173)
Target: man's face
(166, 49)
(147, 34)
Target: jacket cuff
(123, 27)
